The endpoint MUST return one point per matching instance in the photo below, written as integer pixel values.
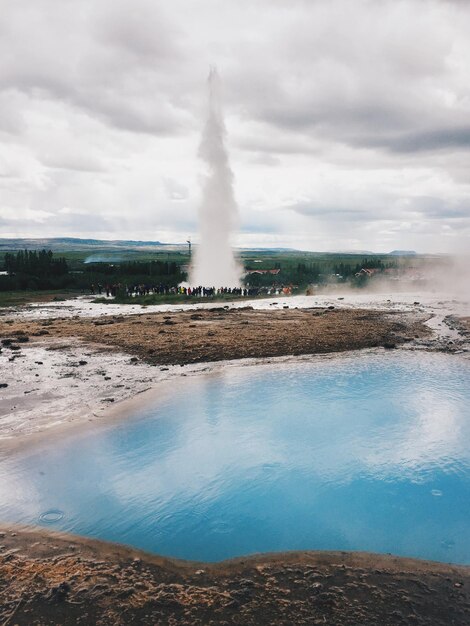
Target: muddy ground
(220, 334)
(48, 579)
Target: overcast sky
(348, 122)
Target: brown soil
(49, 579)
(219, 334)
(464, 323)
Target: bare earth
(219, 334)
(46, 579)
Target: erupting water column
(214, 261)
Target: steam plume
(214, 261)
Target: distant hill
(354, 252)
(67, 244)
(73, 243)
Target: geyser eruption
(214, 261)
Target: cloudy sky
(348, 122)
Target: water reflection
(364, 453)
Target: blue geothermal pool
(365, 452)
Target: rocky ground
(460, 324)
(48, 579)
(222, 333)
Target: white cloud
(348, 122)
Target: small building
(365, 271)
(273, 272)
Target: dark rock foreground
(48, 579)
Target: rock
(83, 362)
(3, 385)
(7, 342)
(243, 594)
(59, 593)
(134, 359)
(326, 598)
(389, 345)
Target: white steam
(214, 261)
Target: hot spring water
(368, 452)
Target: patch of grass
(18, 298)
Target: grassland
(18, 298)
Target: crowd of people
(109, 290)
(112, 290)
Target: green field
(27, 296)
(167, 265)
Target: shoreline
(78, 425)
(81, 370)
(67, 373)
(73, 580)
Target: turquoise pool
(359, 452)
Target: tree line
(37, 270)
(35, 263)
